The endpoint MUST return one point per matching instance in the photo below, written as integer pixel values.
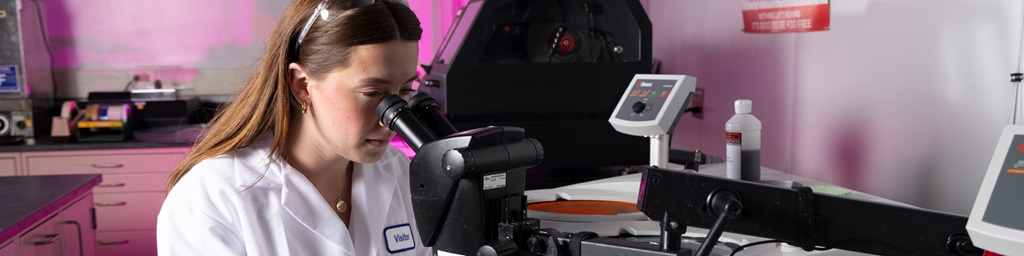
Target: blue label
(399, 238)
(8, 78)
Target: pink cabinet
(65, 232)
(129, 198)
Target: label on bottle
(733, 138)
(743, 156)
(733, 154)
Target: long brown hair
(265, 103)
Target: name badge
(399, 238)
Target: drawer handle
(115, 184)
(114, 165)
(119, 203)
(50, 238)
(112, 242)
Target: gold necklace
(340, 205)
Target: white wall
(901, 98)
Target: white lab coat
(224, 207)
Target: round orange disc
(588, 207)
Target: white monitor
(996, 223)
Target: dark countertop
(48, 144)
(25, 200)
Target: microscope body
(467, 187)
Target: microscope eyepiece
(394, 113)
(389, 109)
(426, 108)
(422, 100)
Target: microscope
(467, 187)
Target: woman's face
(343, 103)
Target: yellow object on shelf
(104, 122)
(100, 124)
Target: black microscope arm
(802, 218)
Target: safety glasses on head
(328, 10)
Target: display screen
(8, 79)
(457, 32)
(652, 93)
(1004, 206)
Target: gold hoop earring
(304, 108)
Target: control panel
(652, 104)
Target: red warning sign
(780, 16)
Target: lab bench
(47, 215)
(128, 200)
(48, 144)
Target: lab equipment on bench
(15, 104)
(996, 222)
(651, 107)
(104, 123)
(468, 187)
(468, 196)
(15, 120)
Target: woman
(298, 163)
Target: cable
(1015, 102)
(1020, 49)
(135, 80)
(741, 247)
(49, 52)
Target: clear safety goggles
(323, 11)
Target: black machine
(550, 67)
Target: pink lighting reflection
(400, 144)
(435, 19)
(126, 34)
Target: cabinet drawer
(7, 167)
(9, 248)
(127, 211)
(145, 182)
(44, 239)
(133, 243)
(105, 164)
(8, 164)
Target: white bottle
(743, 144)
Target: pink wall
(98, 44)
(120, 34)
(125, 34)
